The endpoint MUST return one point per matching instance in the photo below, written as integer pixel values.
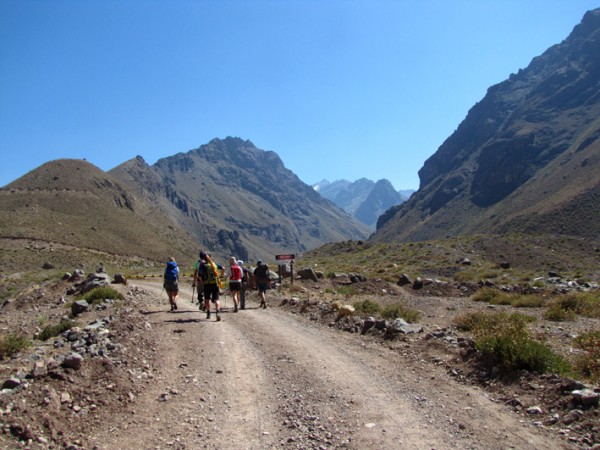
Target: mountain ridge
(227, 197)
(498, 171)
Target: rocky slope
(228, 197)
(526, 157)
(237, 199)
(72, 203)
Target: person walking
(262, 277)
(197, 280)
(245, 276)
(209, 272)
(235, 282)
(171, 282)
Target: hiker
(198, 280)
(245, 277)
(208, 272)
(235, 282)
(171, 282)
(262, 277)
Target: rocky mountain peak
(519, 130)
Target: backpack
(262, 272)
(208, 274)
(236, 273)
(171, 271)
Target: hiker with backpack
(208, 273)
(263, 279)
(171, 282)
(196, 279)
(245, 278)
(235, 282)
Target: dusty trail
(265, 379)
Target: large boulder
(402, 326)
(346, 310)
(93, 281)
(403, 280)
(120, 279)
(79, 307)
(308, 274)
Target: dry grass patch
(13, 343)
(588, 365)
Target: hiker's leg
(261, 293)
(216, 302)
(206, 299)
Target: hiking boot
(265, 305)
(208, 315)
(172, 307)
(175, 306)
(235, 308)
(218, 317)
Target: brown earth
(289, 376)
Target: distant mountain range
(525, 159)
(364, 199)
(227, 197)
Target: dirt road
(268, 379)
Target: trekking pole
(193, 290)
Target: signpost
(289, 258)
(284, 257)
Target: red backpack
(236, 273)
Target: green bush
(556, 313)
(504, 339)
(485, 295)
(347, 290)
(473, 321)
(496, 297)
(54, 330)
(480, 322)
(464, 276)
(577, 303)
(399, 310)
(13, 343)
(589, 304)
(538, 284)
(367, 307)
(97, 295)
(492, 296)
(528, 301)
(520, 352)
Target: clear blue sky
(339, 89)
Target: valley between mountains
(258, 379)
